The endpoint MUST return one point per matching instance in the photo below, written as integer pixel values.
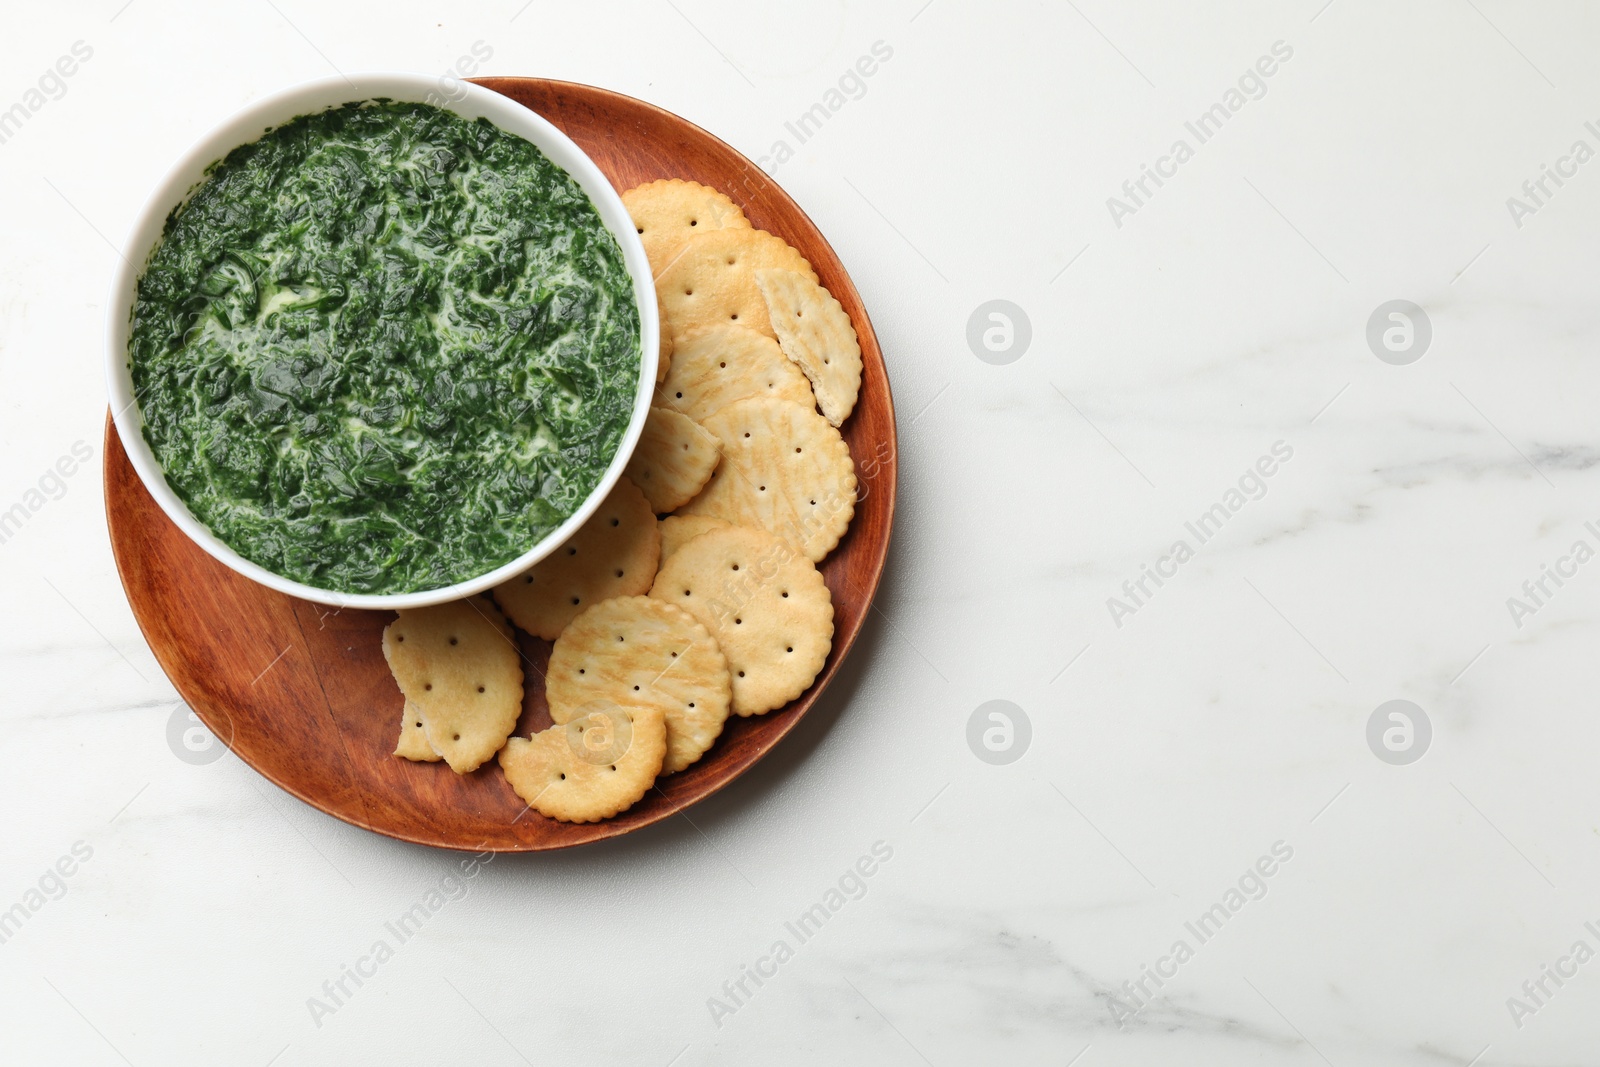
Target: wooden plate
(301, 692)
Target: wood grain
(300, 691)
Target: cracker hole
(527, 581)
(691, 703)
(619, 573)
(641, 231)
(574, 600)
(789, 649)
(613, 766)
(735, 566)
(738, 622)
(402, 637)
(429, 686)
(734, 316)
(616, 522)
(453, 641)
(635, 689)
(686, 592)
(680, 395)
(741, 674)
(797, 448)
(456, 737)
(719, 364)
(619, 637)
(582, 671)
(762, 488)
(692, 222)
(786, 593)
(419, 726)
(747, 433)
(674, 655)
(480, 688)
(563, 776)
(688, 292)
(572, 552)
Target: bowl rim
(466, 99)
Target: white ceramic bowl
(469, 101)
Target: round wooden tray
(301, 692)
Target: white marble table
(1199, 858)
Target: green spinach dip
(384, 348)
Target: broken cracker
(613, 554)
(679, 530)
(815, 331)
(784, 469)
(674, 459)
(413, 744)
(458, 664)
(642, 652)
(720, 365)
(591, 768)
(766, 605)
(669, 212)
(713, 280)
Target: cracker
(721, 365)
(667, 346)
(591, 768)
(679, 530)
(674, 459)
(458, 664)
(640, 652)
(413, 744)
(669, 212)
(613, 554)
(765, 604)
(713, 280)
(784, 469)
(815, 332)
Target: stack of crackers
(663, 627)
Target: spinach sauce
(385, 349)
